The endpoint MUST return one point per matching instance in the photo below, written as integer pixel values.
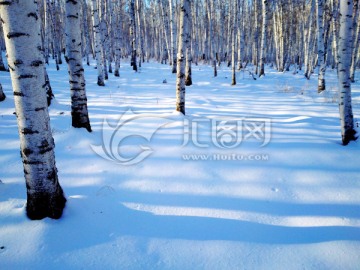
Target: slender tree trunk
(188, 75)
(241, 36)
(320, 45)
(79, 111)
(211, 16)
(183, 40)
(133, 35)
(356, 43)
(86, 32)
(47, 30)
(48, 89)
(308, 43)
(141, 40)
(117, 39)
(334, 10)
(172, 35)
(344, 60)
(233, 42)
(256, 38)
(104, 37)
(263, 37)
(45, 196)
(97, 39)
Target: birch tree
(21, 24)
(263, 37)
(172, 36)
(211, 18)
(117, 37)
(140, 37)
(133, 35)
(356, 41)
(320, 44)
(344, 60)
(97, 41)
(79, 111)
(234, 24)
(183, 41)
(188, 72)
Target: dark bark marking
(16, 34)
(39, 109)
(33, 14)
(27, 131)
(19, 94)
(27, 152)
(29, 162)
(26, 76)
(18, 62)
(36, 63)
(5, 3)
(72, 1)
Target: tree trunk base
(2, 96)
(42, 205)
(350, 135)
(262, 72)
(76, 123)
(100, 82)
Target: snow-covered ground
(254, 177)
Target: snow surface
(293, 203)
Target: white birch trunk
(233, 32)
(344, 59)
(308, 43)
(79, 111)
(334, 19)
(97, 41)
(241, 36)
(117, 38)
(133, 35)
(188, 75)
(320, 44)
(47, 30)
(256, 38)
(141, 40)
(172, 36)
(21, 24)
(356, 43)
(86, 32)
(104, 37)
(211, 16)
(183, 40)
(263, 37)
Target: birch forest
(301, 36)
(288, 36)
